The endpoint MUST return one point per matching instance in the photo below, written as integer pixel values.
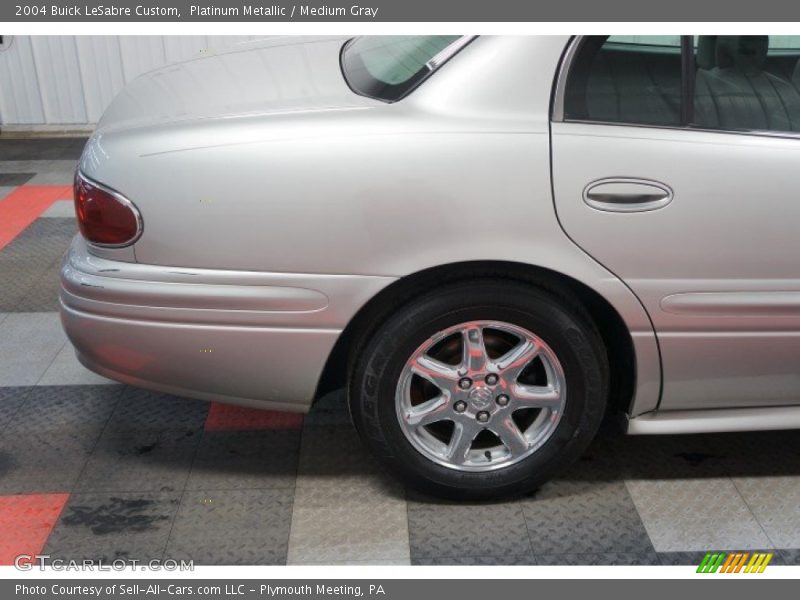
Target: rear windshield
(388, 67)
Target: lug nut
(482, 416)
(502, 400)
(465, 383)
(491, 379)
(460, 406)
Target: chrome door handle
(627, 195)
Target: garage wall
(69, 80)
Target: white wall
(69, 80)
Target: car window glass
(387, 67)
(747, 82)
(626, 79)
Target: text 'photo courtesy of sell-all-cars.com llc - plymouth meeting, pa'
(491, 242)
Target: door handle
(627, 195)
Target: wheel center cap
(480, 397)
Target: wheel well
(610, 325)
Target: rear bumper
(244, 337)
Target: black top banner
(401, 10)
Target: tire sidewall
(373, 403)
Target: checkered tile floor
(90, 469)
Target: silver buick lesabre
(490, 242)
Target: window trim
(559, 92)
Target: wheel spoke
(464, 433)
(515, 360)
(475, 357)
(511, 436)
(428, 412)
(536, 396)
(441, 375)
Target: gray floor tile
(335, 468)
(477, 560)
(375, 530)
(580, 517)
(245, 460)
(696, 514)
(11, 399)
(143, 410)
(60, 209)
(113, 526)
(5, 190)
(439, 528)
(66, 370)
(143, 462)
(607, 558)
(42, 462)
(14, 179)
(75, 410)
(775, 502)
(53, 178)
(369, 562)
(241, 527)
(337, 479)
(28, 344)
(789, 557)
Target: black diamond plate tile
(667, 457)
(584, 517)
(246, 460)
(142, 410)
(11, 399)
(75, 409)
(241, 527)
(12, 179)
(331, 409)
(30, 257)
(42, 296)
(757, 453)
(113, 526)
(476, 560)
(46, 462)
(609, 558)
(456, 529)
(148, 461)
(42, 149)
(789, 556)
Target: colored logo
(734, 562)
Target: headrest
(745, 53)
(706, 51)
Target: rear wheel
(482, 389)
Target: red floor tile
(24, 205)
(224, 417)
(25, 522)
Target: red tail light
(105, 217)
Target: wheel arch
(615, 333)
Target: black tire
(552, 315)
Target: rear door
(676, 164)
